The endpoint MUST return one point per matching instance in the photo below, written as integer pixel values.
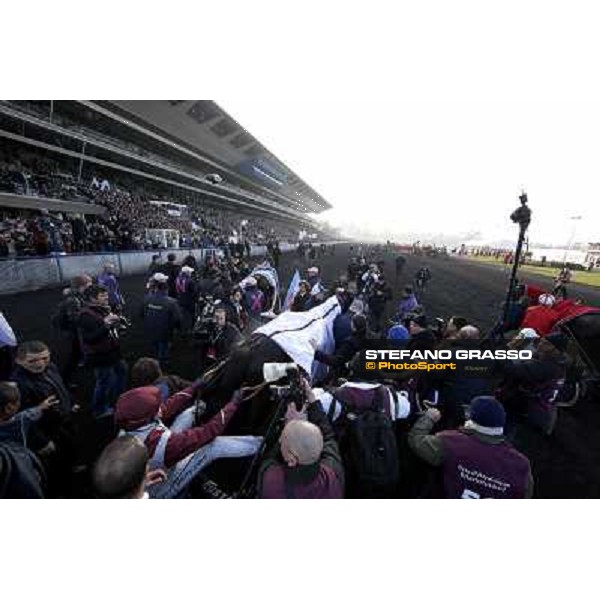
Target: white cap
(250, 281)
(186, 269)
(527, 333)
(160, 277)
(546, 299)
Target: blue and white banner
(292, 290)
(7, 335)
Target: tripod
(522, 216)
(248, 487)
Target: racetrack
(567, 465)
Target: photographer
(99, 330)
(306, 463)
(66, 319)
(235, 311)
(222, 336)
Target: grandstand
(172, 149)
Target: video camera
(205, 326)
(119, 327)
(293, 391)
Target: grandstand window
(203, 111)
(223, 127)
(240, 140)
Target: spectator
(530, 387)
(122, 470)
(187, 295)
(14, 422)
(476, 460)
(108, 279)
(452, 326)
(54, 434)
(407, 304)
(346, 351)
(162, 316)
(147, 371)
(99, 330)
(171, 270)
(303, 300)
(421, 338)
(21, 473)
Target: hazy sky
(452, 113)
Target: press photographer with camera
(218, 337)
(306, 461)
(99, 330)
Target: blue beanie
(398, 332)
(487, 412)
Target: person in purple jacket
(407, 304)
(476, 461)
(109, 280)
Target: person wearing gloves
(475, 460)
(174, 443)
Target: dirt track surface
(567, 465)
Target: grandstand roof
(173, 152)
(202, 125)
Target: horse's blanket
(299, 334)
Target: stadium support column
(521, 216)
(81, 162)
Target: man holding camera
(306, 463)
(222, 336)
(99, 330)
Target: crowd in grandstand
(338, 434)
(131, 211)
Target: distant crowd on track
(280, 387)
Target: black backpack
(370, 449)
